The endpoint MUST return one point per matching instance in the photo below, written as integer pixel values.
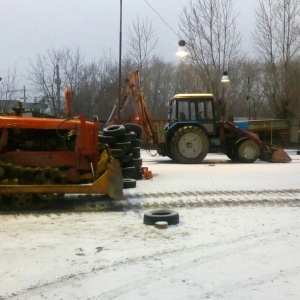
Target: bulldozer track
(16, 174)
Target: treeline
(266, 86)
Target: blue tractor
(194, 129)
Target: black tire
(137, 163)
(128, 137)
(124, 146)
(129, 172)
(231, 154)
(114, 130)
(106, 139)
(136, 152)
(156, 215)
(136, 143)
(138, 175)
(126, 158)
(129, 183)
(248, 151)
(127, 164)
(117, 153)
(189, 145)
(134, 127)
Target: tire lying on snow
(155, 215)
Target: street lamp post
(224, 81)
(120, 65)
(248, 98)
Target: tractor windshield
(194, 109)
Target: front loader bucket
(278, 155)
(115, 180)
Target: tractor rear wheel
(248, 151)
(189, 145)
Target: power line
(161, 18)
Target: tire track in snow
(185, 259)
(220, 250)
(254, 283)
(286, 197)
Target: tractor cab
(193, 109)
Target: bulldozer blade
(279, 155)
(115, 180)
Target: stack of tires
(124, 142)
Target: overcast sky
(31, 27)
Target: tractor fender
(238, 141)
(255, 138)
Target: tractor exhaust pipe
(68, 101)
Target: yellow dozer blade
(115, 180)
(114, 175)
(109, 175)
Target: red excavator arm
(131, 89)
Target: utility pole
(24, 91)
(58, 82)
(24, 94)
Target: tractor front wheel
(189, 145)
(248, 151)
(231, 153)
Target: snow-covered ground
(238, 238)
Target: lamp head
(182, 51)
(225, 77)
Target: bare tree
(74, 71)
(140, 42)
(98, 91)
(43, 73)
(209, 27)
(277, 42)
(158, 86)
(8, 87)
(247, 93)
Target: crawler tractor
(42, 159)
